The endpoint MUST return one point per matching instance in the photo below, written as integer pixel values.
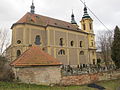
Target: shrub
(6, 73)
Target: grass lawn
(109, 85)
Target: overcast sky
(108, 11)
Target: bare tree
(104, 43)
(4, 40)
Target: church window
(61, 41)
(92, 44)
(18, 53)
(93, 61)
(61, 52)
(84, 65)
(81, 44)
(37, 40)
(18, 42)
(81, 52)
(72, 43)
(90, 26)
(84, 27)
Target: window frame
(90, 25)
(37, 40)
(81, 44)
(61, 52)
(82, 53)
(18, 53)
(84, 27)
(61, 42)
(72, 43)
(19, 42)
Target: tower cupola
(86, 15)
(86, 22)
(32, 8)
(73, 19)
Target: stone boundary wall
(89, 78)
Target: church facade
(63, 40)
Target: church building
(63, 40)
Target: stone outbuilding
(35, 66)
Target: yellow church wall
(91, 38)
(72, 37)
(72, 56)
(34, 31)
(52, 37)
(58, 35)
(73, 59)
(26, 34)
(83, 59)
(62, 58)
(92, 56)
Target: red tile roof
(34, 56)
(40, 20)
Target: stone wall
(47, 75)
(89, 78)
(42, 75)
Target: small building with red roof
(37, 67)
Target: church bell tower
(32, 8)
(87, 26)
(86, 22)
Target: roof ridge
(41, 20)
(52, 18)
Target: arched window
(90, 26)
(81, 52)
(61, 52)
(61, 41)
(18, 53)
(84, 27)
(37, 40)
(72, 43)
(81, 44)
(92, 44)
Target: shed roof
(34, 56)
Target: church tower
(86, 22)
(73, 19)
(87, 26)
(32, 8)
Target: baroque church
(63, 40)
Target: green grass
(109, 85)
